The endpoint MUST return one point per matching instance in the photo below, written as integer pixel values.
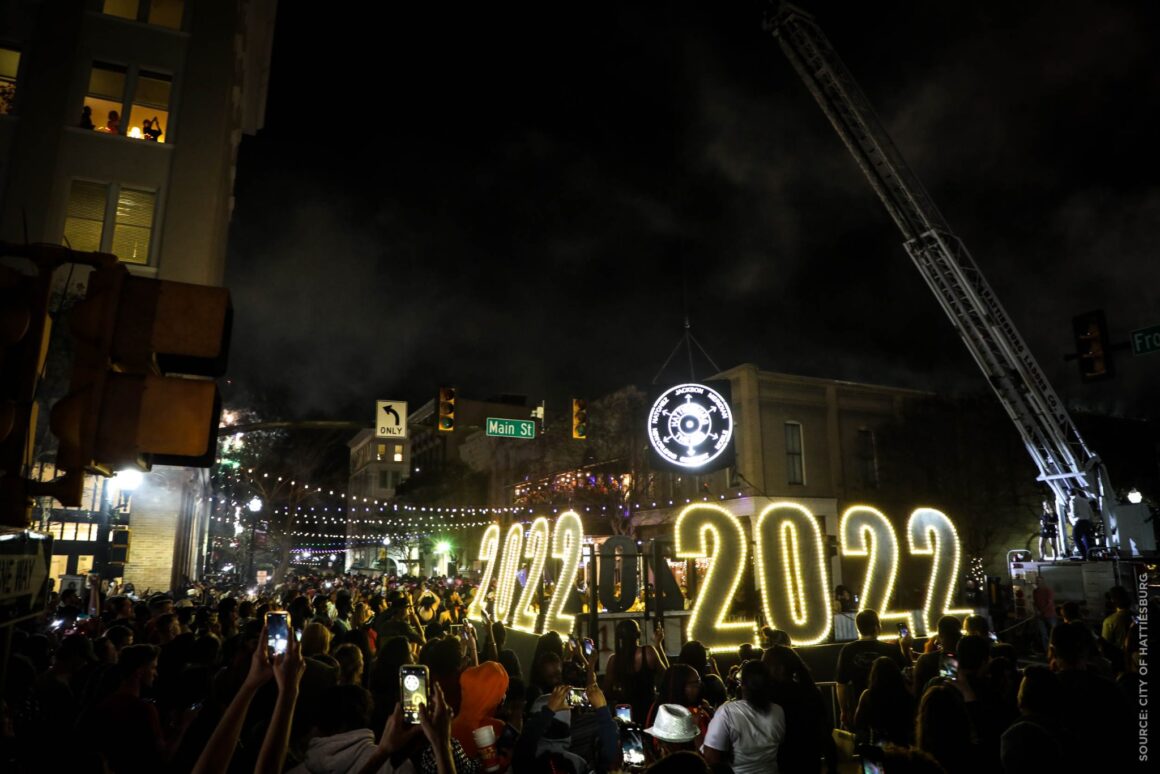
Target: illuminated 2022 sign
(690, 425)
(561, 541)
(790, 565)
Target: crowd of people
(123, 684)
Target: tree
(964, 457)
(608, 474)
(286, 470)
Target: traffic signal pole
(25, 330)
(141, 386)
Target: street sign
(391, 419)
(1146, 340)
(511, 428)
(24, 558)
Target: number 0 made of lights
(791, 571)
(509, 565)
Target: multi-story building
(119, 132)
(377, 467)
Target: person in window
(87, 118)
(151, 129)
(113, 125)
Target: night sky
(520, 200)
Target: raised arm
(220, 749)
(288, 669)
(435, 719)
(659, 638)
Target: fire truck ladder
(1063, 459)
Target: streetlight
(1134, 496)
(254, 505)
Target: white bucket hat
(673, 723)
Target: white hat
(673, 723)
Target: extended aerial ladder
(1064, 461)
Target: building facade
(120, 130)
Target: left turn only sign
(390, 419)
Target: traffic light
(446, 423)
(579, 418)
(1091, 346)
(25, 328)
(142, 390)
(24, 333)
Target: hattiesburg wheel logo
(690, 425)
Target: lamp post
(126, 482)
(254, 506)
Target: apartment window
(110, 218)
(398, 452)
(84, 564)
(868, 458)
(9, 66)
(113, 89)
(795, 470)
(380, 451)
(163, 13)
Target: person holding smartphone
(856, 658)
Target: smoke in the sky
(544, 197)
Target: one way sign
(391, 419)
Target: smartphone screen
(456, 629)
(632, 747)
(903, 631)
(577, 697)
(589, 647)
(413, 680)
(624, 712)
(948, 667)
(277, 633)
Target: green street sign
(1146, 340)
(511, 428)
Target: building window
(58, 567)
(398, 452)
(105, 100)
(868, 458)
(84, 564)
(114, 88)
(110, 218)
(9, 66)
(72, 530)
(163, 13)
(380, 451)
(795, 469)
